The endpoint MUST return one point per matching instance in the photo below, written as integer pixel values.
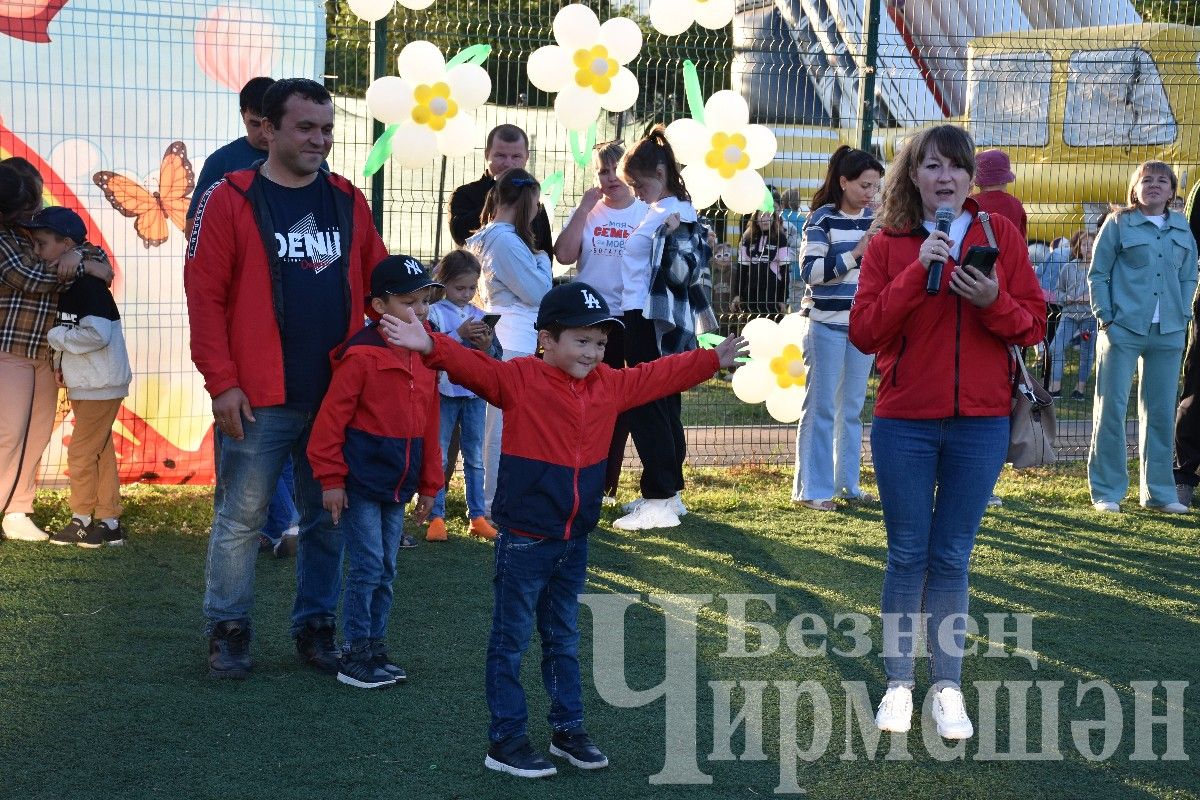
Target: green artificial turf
(103, 692)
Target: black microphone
(944, 216)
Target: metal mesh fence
(1076, 91)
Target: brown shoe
(436, 531)
(481, 528)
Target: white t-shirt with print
(605, 232)
(635, 263)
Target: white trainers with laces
(1107, 506)
(895, 710)
(19, 527)
(950, 714)
(676, 505)
(650, 514)
(632, 505)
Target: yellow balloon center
(788, 367)
(594, 69)
(433, 105)
(727, 155)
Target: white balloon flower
(723, 155)
(672, 17)
(586, 66)
(431, 104)
(776, 375)
(372, 10)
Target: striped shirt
(29, 293)
(828, 269)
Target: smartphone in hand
(490, 320)
(982, 258)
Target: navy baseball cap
(574, 305)
(62, 221)
(399, 275)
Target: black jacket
(466, 206)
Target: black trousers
(614, 356)
(1187, 417)
(657, 427)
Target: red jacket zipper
(575, 476)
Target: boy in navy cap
(374, 445)
(91, 361)
(559, 413)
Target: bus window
(1116, 98)
(1008, 99)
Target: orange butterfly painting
(152, 210)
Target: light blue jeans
(247, 474)
(935, 477)
(1069, 328)
(1156, 358)
(470, 411)
(829, 436)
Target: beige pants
(91, 460)
(28, 399)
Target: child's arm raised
(672, 374)
(494, 381)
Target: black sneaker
(229, 650)
(381, 659)
(359, 669)
(577, 747)
(517, 757)
(77, 533)
(316, 646)
(113, 537)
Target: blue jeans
(247, 474)
(469, 411)
(372, 531)
(542, 579)
(935, 477)
(1156, 357)
(282, 513)
(1069, 328)
(831, 416)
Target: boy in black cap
(374, 445)
(559, 413)
(91, 361)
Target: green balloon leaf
(709, 340)
(691, 85)
(475, 54)
(381, 151)
(552, 187)
(581, 151)
(768, 203)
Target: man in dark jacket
(507, 147)
(276, 274)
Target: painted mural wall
(117, 102)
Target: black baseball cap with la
(399, 274)
(574, 305)
(60, 220)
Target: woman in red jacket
(940, 432)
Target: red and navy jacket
(377, 432)
(557, 428)
(938, 355)
(234, 294)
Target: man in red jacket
(276, 274)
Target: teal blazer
(1136, 265)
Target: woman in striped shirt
(829, 436)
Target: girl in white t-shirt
(651, 171)
(515, 276)
(595, 237)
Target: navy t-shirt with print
(309, 245)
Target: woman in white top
(651, 171)
(515, 276)
(595, 237)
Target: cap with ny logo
(574, 305)
(399, 274)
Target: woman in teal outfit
(1142, 279)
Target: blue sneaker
(517, 757)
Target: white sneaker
(951, 715)
(895, 710)
(632, 505)
(1169, 508)
(677, 505)
(1107, 506)
(19, 527)
(650, 514)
